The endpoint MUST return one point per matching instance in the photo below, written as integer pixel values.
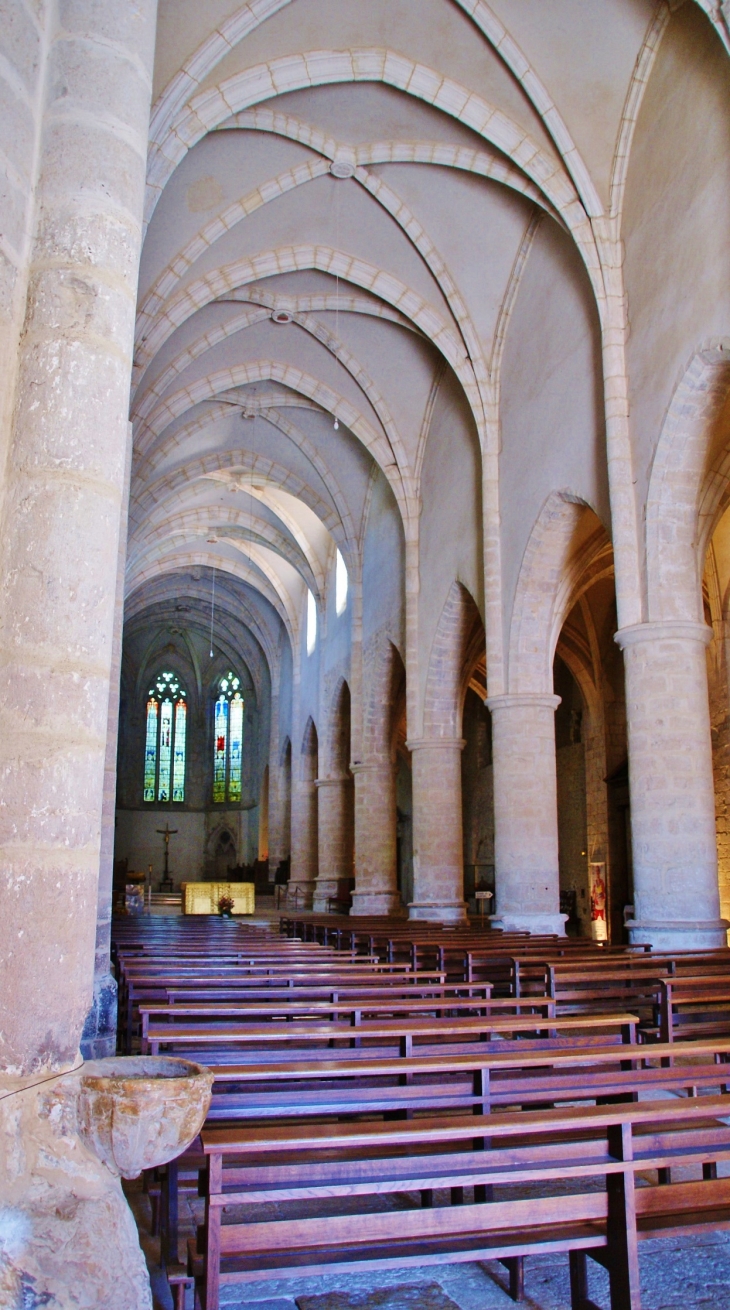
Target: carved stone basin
(135, 1112)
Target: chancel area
(364, 659)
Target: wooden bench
(692, 1008)
(479, 1083)
(352, 1010)
(585, 1145)
(149, 985)
(399, 1035)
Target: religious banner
(597, 886)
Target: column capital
(523, 700)
(435, 743)
(333, 782)
(663, 630)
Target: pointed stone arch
(384, 678)
(568, 545)
(337, 742)
(457, 647)
(689, 486)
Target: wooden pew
(292, 1163)
(216, 1043)
(526, 1075)
(692, 1008)
(142, 983)
(351, 1010)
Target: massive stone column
(438, 840)
(304, 838)
(74, 1240)
(334, 830)
(676, 895)
(99, 1038)
(61, 521)
(376, 851)
(278, 837)
(527, 874)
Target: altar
(203, 897)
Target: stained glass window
(163, 780)
(221, 748)
(164, 755)
(150, 750)
(178, 768)
(236, 749)
(228, 740)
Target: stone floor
(676, 1274)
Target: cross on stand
(167, 832)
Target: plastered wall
(551, 390)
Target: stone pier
(676, 893)
(73, 1241)
(334, 827)
(527, 875)
(438, 843)
(376, 881)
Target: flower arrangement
(225, 906)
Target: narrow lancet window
(311, 623)
(150, 752)
(221, 747)
(340, 584)
(178, 768)
(165, 740)
(228, 741)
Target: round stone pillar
(676, 894)
(334, 828)
(61, 521)
(438, 839)
(376, 849)
(304, 823)
(72, 1240)
(526, 813)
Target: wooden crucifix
(167, 832)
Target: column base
(684, 936)
(69, 1239)
(523, 921)
(299, 895)
(438, 911)
(385, 903)
(324, 890)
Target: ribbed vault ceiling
(340, 198)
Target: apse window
(340, 584)
(228, 740)
(311, 623)
(164, 755)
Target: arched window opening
(311, 623)
(165, 740)
(228, 741)
(341, 583)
